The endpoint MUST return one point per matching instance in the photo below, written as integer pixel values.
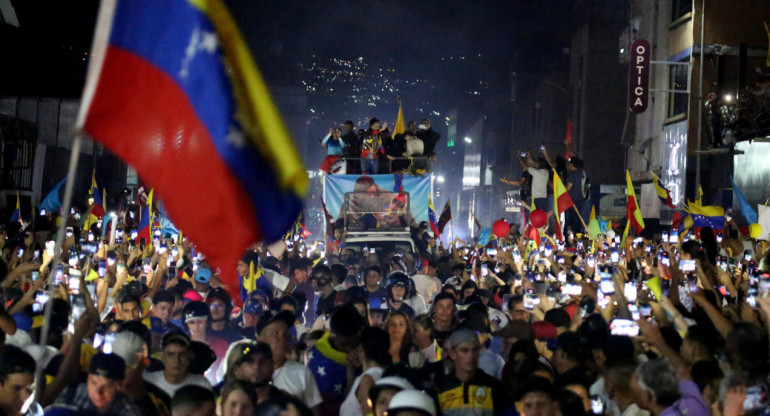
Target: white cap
(412, 400)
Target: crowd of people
(376, 150)
(536, 185)
(651, 325)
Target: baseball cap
(544, 330)
(203, 275)
(462, 335)
(109, 366)
(175, 337)
(254, 306)
(570, 342)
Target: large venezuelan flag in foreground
(174, 91)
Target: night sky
(47, 50)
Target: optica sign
(639, 76)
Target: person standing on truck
(371, 146)
(351, 147)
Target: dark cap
(109, 366)
(175, 337)
(424, 224)
(275, 316)
(254, 306)
(569, 342)
(476, 318)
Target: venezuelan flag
(432, 218)
(173, 80)
(663, 193)
(707, 216)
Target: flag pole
(60, 235)
(580, 216)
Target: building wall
(599, 84)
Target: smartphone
(591, 261)
(74, 285)
(142, 243)
(548, 250)
(614, 257)
(606, 285)
(560, 259)
(34, 275)
(624, 327)
(484, 270)
(90, 236)
(523, 154)
(121, 267)
(102, 271)
(571, 289)
(674, 237)
(645, 310)
(747, 255)
(634, 311)
(163, 246)
(109, 339)
(491, 252)
(664, 237)
(134, 235)
(729, 214)
(530, 301)
(630, 291)
(147, 264)
(58, 275)
(756, 397)
(719, 237)
(73, 260)
(597, 405)
(664, 260)
(687, 265)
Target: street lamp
(468, 140)
(440, 179)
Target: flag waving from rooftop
(186, 89)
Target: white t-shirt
(159, 380)
(417, 304)
(297, 380)
(539, 182)
(426, 286)
(351, 406)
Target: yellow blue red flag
(174, 80)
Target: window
(677, 80)
(18, 155)
(680, 8)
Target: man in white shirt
(288, 376)
(176, 360)
(426, 283)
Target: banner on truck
(382, 187)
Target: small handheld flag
(663, 193)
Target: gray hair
(659, 378)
